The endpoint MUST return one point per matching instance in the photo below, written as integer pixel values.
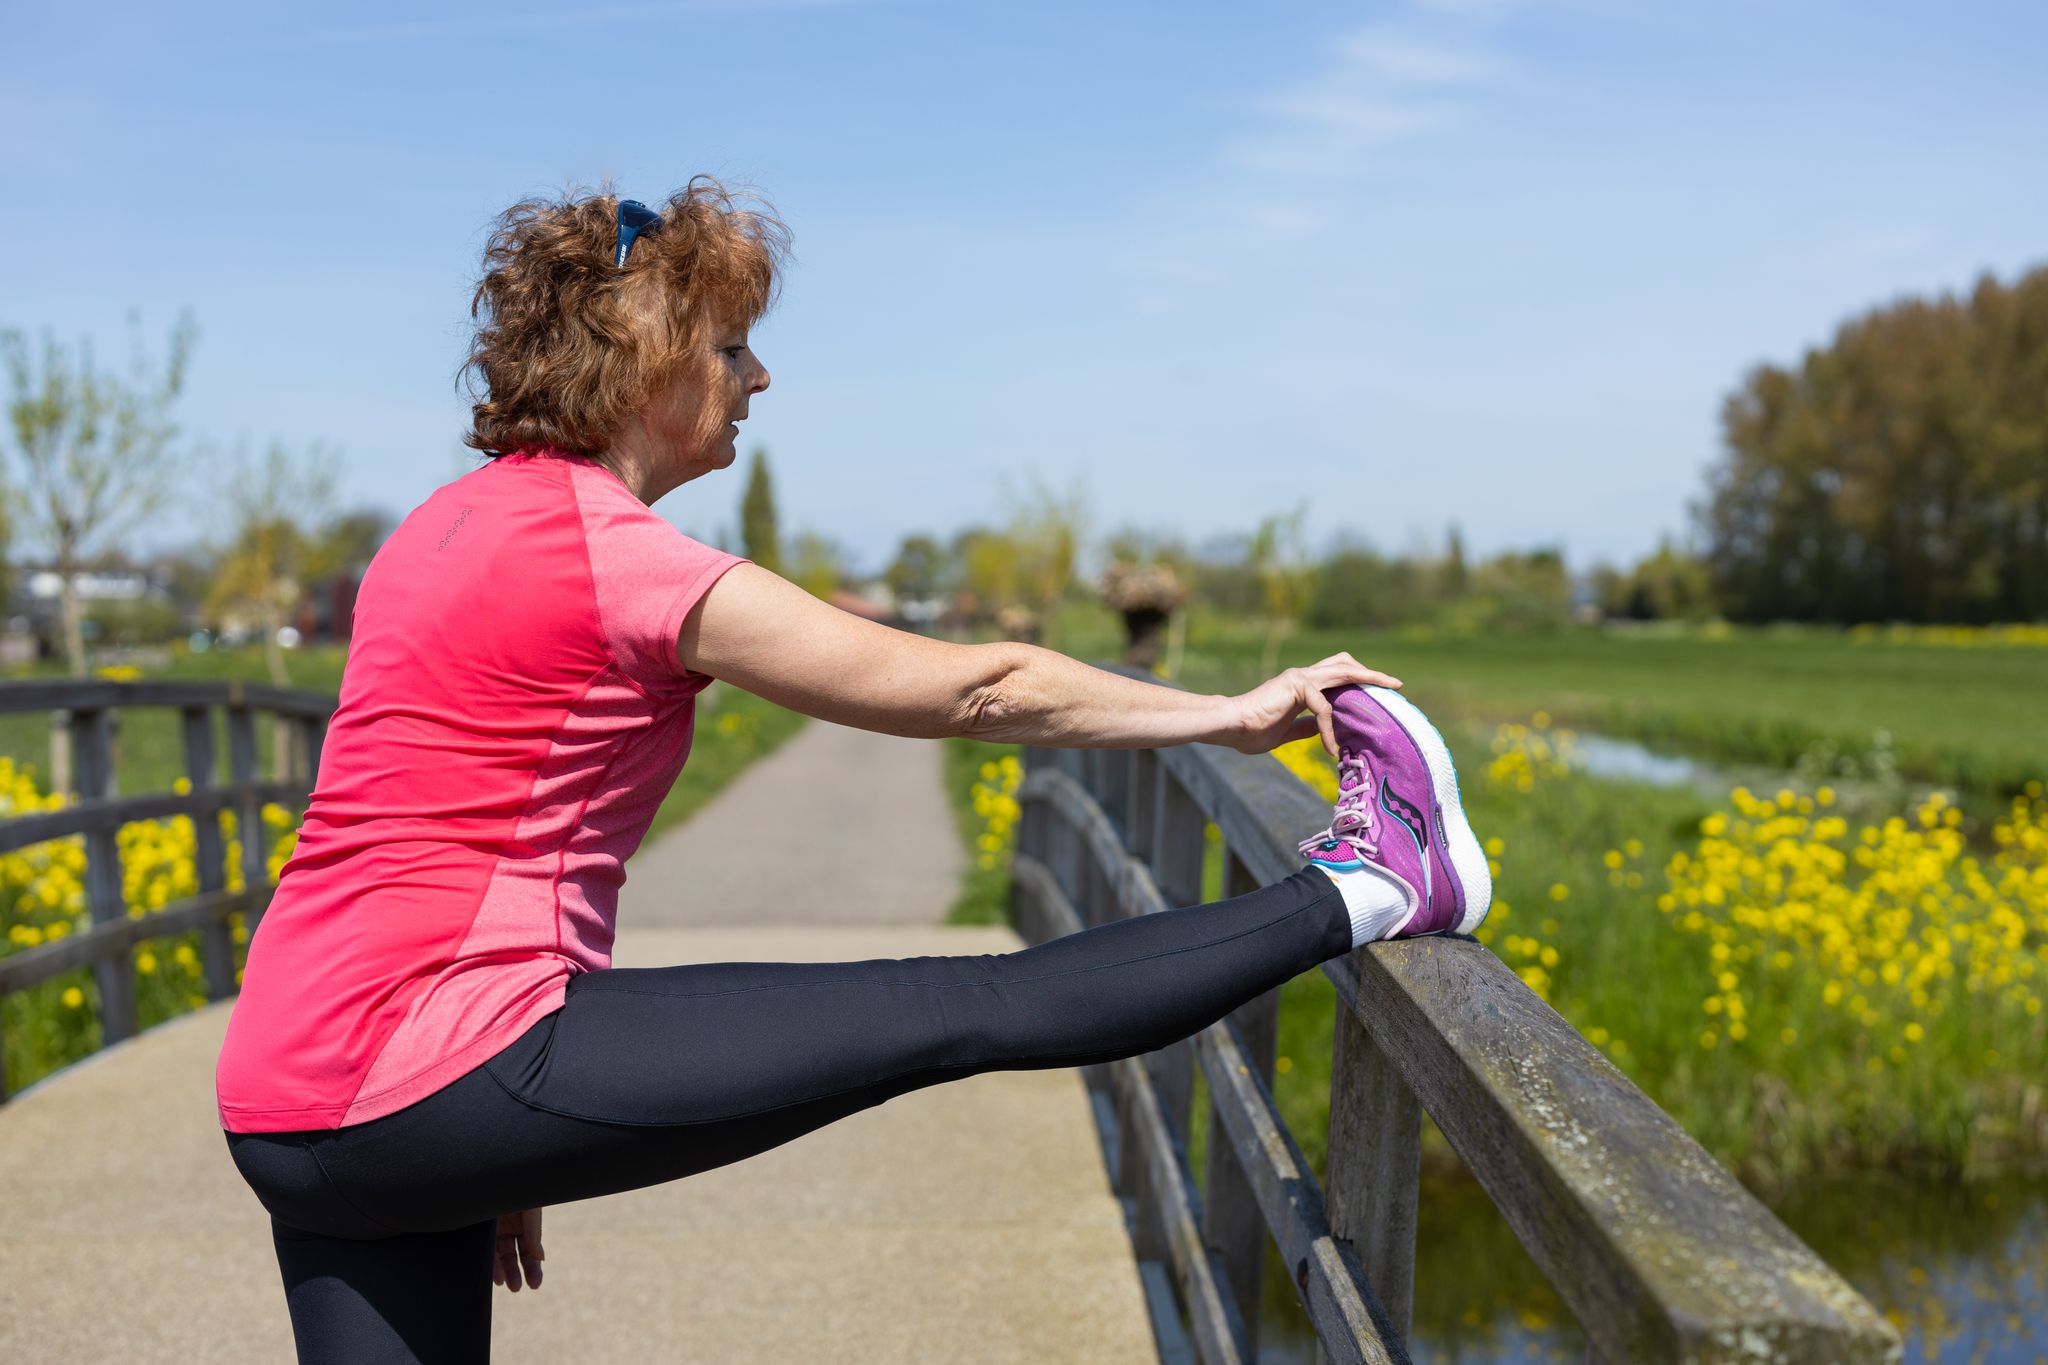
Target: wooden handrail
(1658, 1251)
(90, 704)
(100, 694)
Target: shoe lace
(1353, 821)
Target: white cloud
(1399, 58)
(1378, 85)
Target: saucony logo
(1409, 817)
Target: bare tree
(277, 510)
(94, 449)
(816, 564)
(1279, 555)
(1047, 530)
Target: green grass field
(1976, 718)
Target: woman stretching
(430, 1043)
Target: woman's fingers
(1342, 668)
(517, 1250)
(530, 1250)
(1325, 717)
(507, 1272)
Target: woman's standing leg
(415, 1299)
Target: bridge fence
(98, 813)
(1658, 1251)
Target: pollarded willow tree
(1900, 473)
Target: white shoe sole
(1468, 859)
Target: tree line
(1899, 473)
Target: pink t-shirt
(512, 713)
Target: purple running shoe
(1397, 809)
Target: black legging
(384, 1230)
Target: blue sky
(1477, 261)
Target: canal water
(1960, 1269)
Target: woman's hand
(518, 1247)
(1271, 714)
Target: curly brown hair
(567, 346)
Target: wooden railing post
(216, 942)
(92, 742)
(1374, 1167)
(312, 739)
(1139, 801)
(1233, 1227)
(1114, 793)
(242, 774)
(1178, 826)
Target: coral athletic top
(512, 712)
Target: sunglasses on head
(634, 218)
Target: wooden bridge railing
(1658, 1251)
(98, 814)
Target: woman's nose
(760, 378)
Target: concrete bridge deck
(967, 1221)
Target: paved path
(967, 1221)
(838, 826)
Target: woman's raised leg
(650, 1074)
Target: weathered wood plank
(94, 694)
(1327, 1272)
(1174, 1346)
(1179, 827)
(1165, 1213)
(108, 815)
(1331, 1279)
(1138, 805)
(1217, 1328)
(312, 738)
(1232, 1222)
(113, 972)
(1374, 1172)
(217, 947)
(19, 971)
(1660, 1253)
(243, 775)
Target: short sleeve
(646, 575)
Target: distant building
(36, 612)
(326, 610)
(871, 600)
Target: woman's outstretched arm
(763, 633)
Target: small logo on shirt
(453, 529)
